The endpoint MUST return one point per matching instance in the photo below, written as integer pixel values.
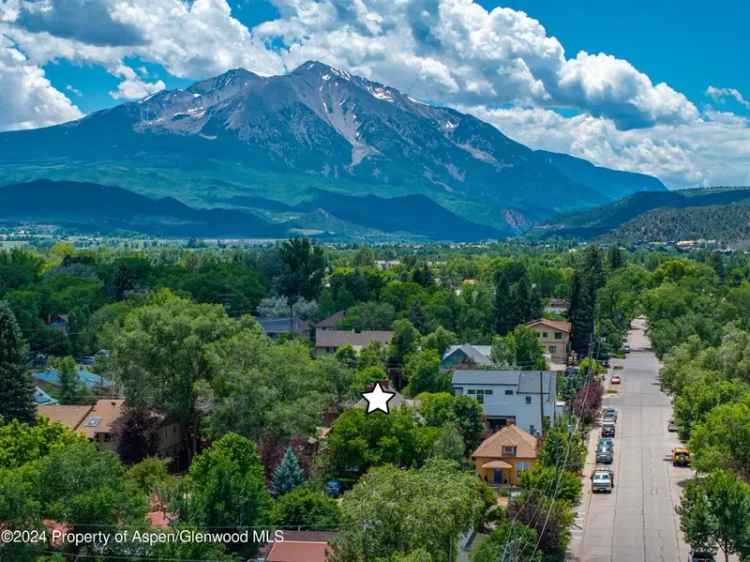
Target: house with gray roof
(523, 398)
(466, 356)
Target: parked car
(680, 456)
(602, 480)
(605, 441)
(608, 430)
(604, 456)
(615, 379)
(626, 348)
(609, 412)
(671, 426)
(702, 557)
(609, 419)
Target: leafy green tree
(149, 474)
(439, 340)
(358, 441)
(449, 444)
(225, 488)
(510, 541)
(551, 481)
(715, 512)
(723, 440)
(700, 396)
(368, 316)
(550, 518)
(86, 487)
(16, 387)
(346, 355)
(364, 257)
(392, 511)
(424, 374)
(72, 390)
(288, 473)
(268, 391)
(164, 350)
(404, 341)
(21, 443)
(559, 443)
(462, 411)
(306, 507)
(520, 349)
(303, 267)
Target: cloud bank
(500, 65)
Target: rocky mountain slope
(286, 137)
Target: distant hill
(93, 207)
(726, 223)
(618, 183)
(280, 138)
(99, 208)
(416, 214)
(599, 221)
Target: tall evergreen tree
(503, 304)
(16, 387)
(615, 258)
(581, 313)
(288, 474)
(71, 391)
(594, 267)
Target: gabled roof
(331, 322)
(102, 417)
(281, 325)
(509, 436)
(70, 416)
(561, 325)
(301, 547)
(479, 354)
(336, 338)
(523, 381)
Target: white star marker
(377, 399)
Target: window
(545, 335)
(528, 399)
(459, 389)
(552, 349)
(509, 451)
(508, 392)
(532, 429)
(558, 335)
(522, 466)
(479, 393)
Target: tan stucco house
(504, 455)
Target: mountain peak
(320, 68)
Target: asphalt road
(637, 522)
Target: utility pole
(541, 401)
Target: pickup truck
(602, 480)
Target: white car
(602, 480)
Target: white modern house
(522, 398)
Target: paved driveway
(637, 522)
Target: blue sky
(657, 87)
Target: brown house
(504, 455)
(97, 424)
(554, 335)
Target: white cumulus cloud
(721, 94)
(29, 99)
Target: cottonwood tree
(715, 512)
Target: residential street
(637, 522)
